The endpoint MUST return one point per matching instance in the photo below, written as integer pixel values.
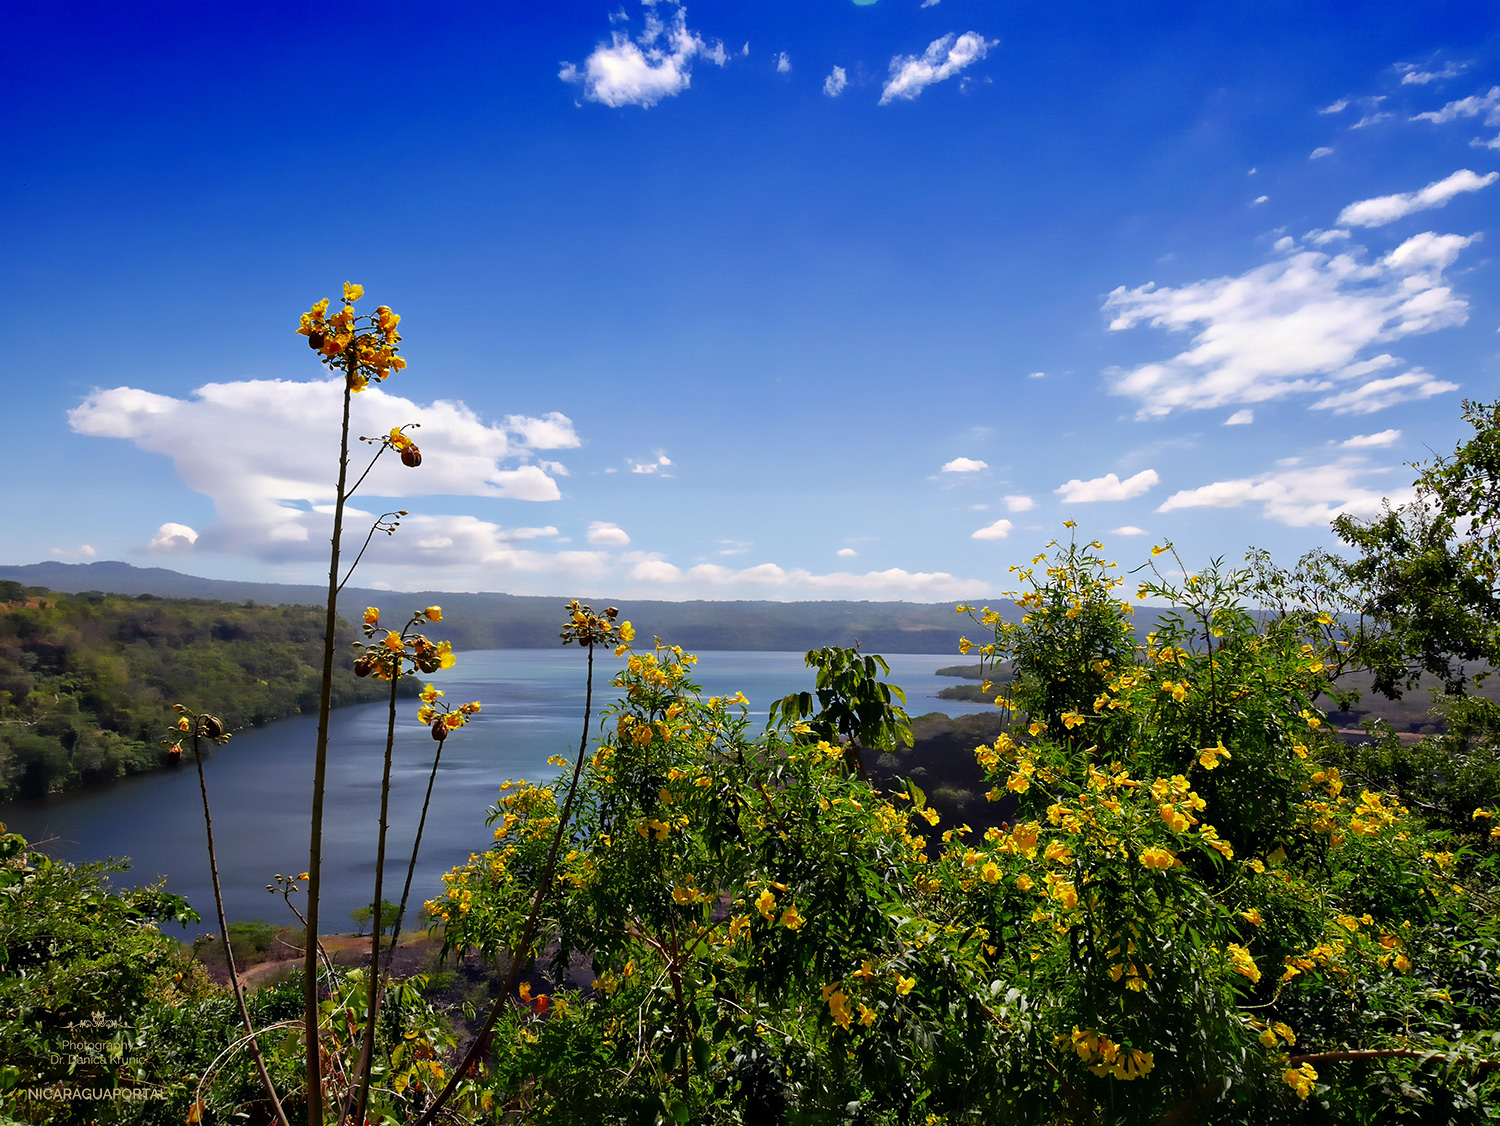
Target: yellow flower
(627, 632)
(1025, 882)
(1071, 720)
(1058, 852)
(838, 1005)
(990, 873)
(430, 694)
(1209, 757)
(964, 645)
(866, 1014)
(1241, 962)
(904, 985)
(684, 896)
(766, 904)
(1155, 551)
(446, 659)
(1066, 894)
(790, 919)
(393, 642)
(372, 616)
(1252, 916)
(1301, 1079)
(1157, 858)
(1482, 815)
(352, 292)
(434, 613)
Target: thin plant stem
(367, 1048)
(411, 866)
(234, 978)
(314, 1061)
(524, 942)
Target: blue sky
(774, 300)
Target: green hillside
(87, 680)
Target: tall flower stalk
(385, 659)
(209, 727)
(362, 348)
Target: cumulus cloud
(260, 449)
(1477, 105)
(1019, 502)
(655, 571)
(172, 539)
(1108, 487)
(1240, 418)
(964, 465)
(642, 71)
(945, 57)
(783, 63)
(1300, 497)
(606, 534)
(834, 84)
(846, 553)
(996, 531)
(1387, 208)
(1127, 530)
(1362, 441)
(1305, 323)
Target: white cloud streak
(1370, 441)
(1387, 208)
(1300, 497)
(945, 57)
(1303, 324)
(1478, 105)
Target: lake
(260, 783)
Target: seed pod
(439, 730)
(315, 339)
(212, 727)
(411, 456)
(365, 665)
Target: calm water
(259, 783)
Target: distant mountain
(511, 621)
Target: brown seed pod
(411, 456)
(315, 339)
(365, 665)
(439, 730)
(212, 727)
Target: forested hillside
(87, 680)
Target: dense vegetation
(87, 680)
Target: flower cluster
(362, 347)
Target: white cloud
(843, 553)
(1037, 375)
(1371, 119)
(657, 64)
(733, 547)
(1240, 418)
(1363, 441)
(964, 465)
(1302, 324)
(263, 451)
(1481, 143)
(996, 531)
(783, 63)
(1338, 107)
(1124, 530)
(662, 462)
(834, 84)
(1019, 503)
(768, 580)
(1387, 208)
(1319, 153)
(1477, 105)
(1108, 487)
(1259, 199)
(1378, 394)
(1412, 75)
(1299, 498)
(172, 539)
(553, 468)
(945, 57)
(550, 432)
(85, 551)
(931, 3)
(604, 533)
(654, 571)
